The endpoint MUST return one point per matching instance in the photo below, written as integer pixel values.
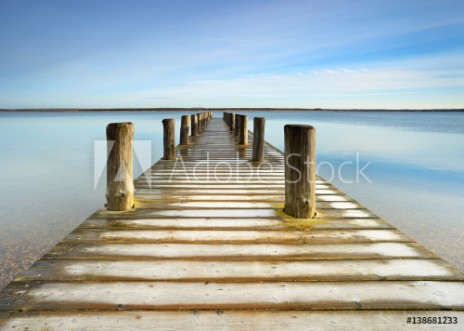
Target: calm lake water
(412, 172)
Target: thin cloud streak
(254, 50)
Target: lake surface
(406, 167)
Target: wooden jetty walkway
(208, 247)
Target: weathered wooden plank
(209, 295)
(161, 195)
(229, 223)
(241, 251)
(231, 320)
(323, 214)
(244, 191)
(170, 204)
(210, 185)
(238, 236)
(155, 196)
(240, 271)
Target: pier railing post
(119, 180)
(184, 130)
(194, 124)
(300, 171)
(231, 122)
(258, 138)
(199, 122)
(168, 139)
(238, 119)
(243, 133)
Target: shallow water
(415, 162)
(414, 174)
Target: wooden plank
(240, 252)
(229, 223)
(199, 191)
(239, 236)
(170, 204)
(231, 320)
(240, 271)
(209, 295)
(323, 214)
(165, 196)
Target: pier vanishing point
(208, 246)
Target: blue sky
(254, 53)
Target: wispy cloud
(294, 53)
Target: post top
(120, 123)
(302, 126)
(119, 126)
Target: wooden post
(194, 124)
(184, 130)
(238, 119)
(258, 138)
(169, 150)
(243, 134)
(232, 122)
(199, 122)
(119, 181)
(300, 171)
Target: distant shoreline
(72, 110)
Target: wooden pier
(208, 247)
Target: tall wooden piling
(238, 119)
(232, 122)
(199, 122)
(168, 139)
(243, 133)
(194, 124)
(258, 138)
(184, 130)
(120, 184)
(300, 171)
